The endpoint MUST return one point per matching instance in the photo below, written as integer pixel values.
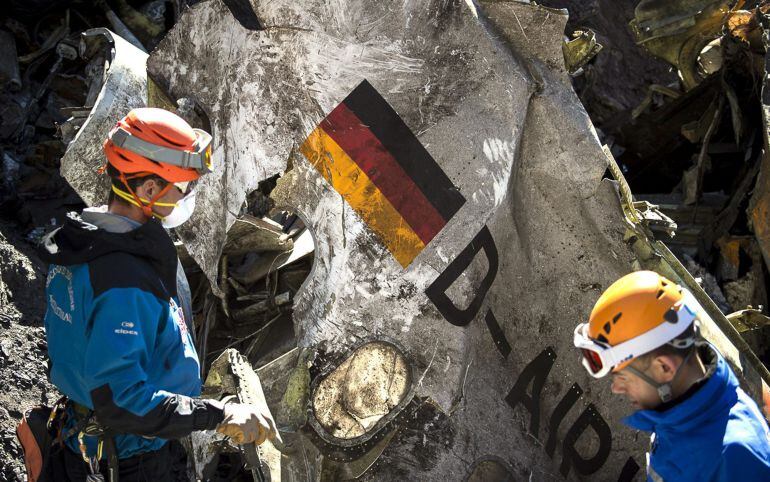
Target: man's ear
(664, 367)
(148, 188)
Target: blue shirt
(715, 434)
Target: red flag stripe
(386, 174)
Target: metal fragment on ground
(580, 50)
(678, 30)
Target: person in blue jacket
(118, 321)
(644, 331)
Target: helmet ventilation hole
(607, 327)
(671, 316)
(170, 141)
(616, 318)
(660, 294)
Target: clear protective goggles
(599, 359)
(198, 159)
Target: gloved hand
(244, 424)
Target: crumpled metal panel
(124, 88)
(484, 89)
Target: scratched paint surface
(490, 102)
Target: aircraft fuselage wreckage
(455, 189)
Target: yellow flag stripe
(363, 196)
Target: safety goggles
(198, 159)
(599, 358)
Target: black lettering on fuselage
(565, 404)
(570, 455)
(535, 374)
(437, 290)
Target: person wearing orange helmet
(643, 331)
(118, 321)
(155, 159)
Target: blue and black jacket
(117, 339)
(714, 433)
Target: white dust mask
(181, 212)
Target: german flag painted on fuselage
(367, 153)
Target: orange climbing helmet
(155, 141)
(638, 313)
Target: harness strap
(112, 455)
(88, 425)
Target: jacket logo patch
(124, 331)
(178, 315)
(58, 311)
(64, 272)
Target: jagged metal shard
(453, 184)
(123, 87)
(232, 375)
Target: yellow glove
(244, 424)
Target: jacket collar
(714, 396)
(102, 218)
(77, 242)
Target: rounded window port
(366, 391)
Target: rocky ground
(23, 348)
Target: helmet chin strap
(664, 389)
(137, 201)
